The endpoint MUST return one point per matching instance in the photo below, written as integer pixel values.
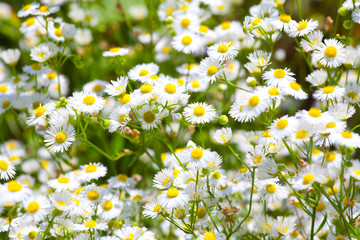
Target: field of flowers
(179, 119)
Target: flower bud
(343, 11)
(250, 81)
(223, 119)
(169, 19)
(106, 123)
(155, 110)
(348, 24)
(176, 117)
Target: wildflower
(59, 138)
(86, 102)
(199, 113)
(331, 53)
(223, 135)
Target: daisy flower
(326, 134)
(348, 139)
(61, 201)
(283, 127)
(317, 77)
(329, 93)
(117, 87)
(129, 232)
(302, 28)
(143, 72)
(13, 191)
(331, 53)
(92, 171)
(36, 69)
(45, 10)
(42, 52)
(86, 102)
(355, 170)
(260, 58)
(116, 51)
(31, 232)
(249, 107)
(223, 135)
(28, 9)
(94, 194)
(40, 113)
(310, 175)
(210, 69)
(229, 31)
(196, 157)
(10, 56)
(187, 42)
(152, 209)
(149, 119)
(119, 118)
(64, 183)
(37, 208)
(223, 51)
(315, 38)
(90, 224)
(342, 111)
(209, 235)
(199, 113)
(59, 138)
(186, 22)
(187, 69)
(168, 90)
(173, 198)
(96, 86)
(110, 207)
(283, 22)
(278, 77)
(272, 191)
(352, 93)
(294, 89)
(121, 181)
(195, 85)
(7, 169)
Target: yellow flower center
(36, 66)
(14, 186)
(331, 125)
(33, 207)
(166, 49)
(353, 95)
(212, 70)
(122, 118)
(256, 21)
(285, 18)
(91, 168)
(273, 91)
(308, 178)
(143, 72)
(346, 134)
(330, 51)
(257, 160)
(122, 177)
(30, 21)
(314, 112)
(60, 137)
(295, 86)
(195, 84)
(3, 88)
(93, 195)
(282, 123)
(169, 11)
(5, 104)
(137, 198)
(302, 25)
(149, 117)
(197, 153)
(184, 8)
(225, 25)
(328, 89)
(185, 22)
(270, 188)
(125, 98)
(201, 213)
(210, 236)
(3, 165)
(253, 101)
(107, 205)
(186, 40)
(89, 100)
(330, 157)
(58, 32)
(90, 224)
(63, 180)
(51, 75)
(44, 8)
(32, 234)
(199, 111)
(222, 48)
(27, 7)
(301, 134)
(279, 73)
(170, 88)
(172, 193)
(216, 175)
(114, 49)
(203, 28)
(320, 207)
(157, 208)
(97, 88)
(39, 111)
(243, 170)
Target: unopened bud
(176, 117)
(169, 19)
(343, 11)
(223, 119)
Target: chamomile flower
(94, 194)
(31, 232)
(283, 22)
(355, 170)
(96, 86)
(117, 87)
(187, 42)
(331, 53)
(168, 90)
(164, 179)
(342, 111)
(119, 118)
(249, 107)
(317, 77)
(110, 207)
(143, 72)
(278, 77)
(310, 175)
(28, 9)
(173, 198)
(44, 10)
(121, 181)
(348, 139)
(186, 22)
(302, 28)
(91, 171)
(223, 135)
(199, 113)
(86, 102)
(196, 157)
(314, 39)
(329, 92)
(272, 191)
(40, 113)
(59, 138)
(210, 69)
(7, 169)
(283, 127)
(43, 52)
(64, 183)
(260, 58)
(223, 51)
(116, 51)
(196, 85)
(149, 119)
(152, 209)
(294, 89)
(13, 191)
(37, 208)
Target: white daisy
(331, 53)
(187, 42)
(173, 198)
(86, 102)
(199, 113)
(210, 69)
(59, 138)
(117, 87)
(223, 51)
(116, 51)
